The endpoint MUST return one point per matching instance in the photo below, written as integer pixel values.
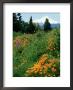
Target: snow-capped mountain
(42, 20)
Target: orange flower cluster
(42, 66)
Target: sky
(26, 16)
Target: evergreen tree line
(27, 27)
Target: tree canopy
(47, 25)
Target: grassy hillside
(36, 54)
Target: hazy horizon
(37, 16)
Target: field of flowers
(36, 55)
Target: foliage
(17, 22)
(31, 27)
(54, 43)
(30, 50)
(47, 25)
(21, 26)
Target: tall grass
(28, 48)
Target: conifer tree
(47, 25)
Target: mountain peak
(42, 20)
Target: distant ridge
(52, 25)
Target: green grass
(27, 53)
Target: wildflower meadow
(36, 51)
